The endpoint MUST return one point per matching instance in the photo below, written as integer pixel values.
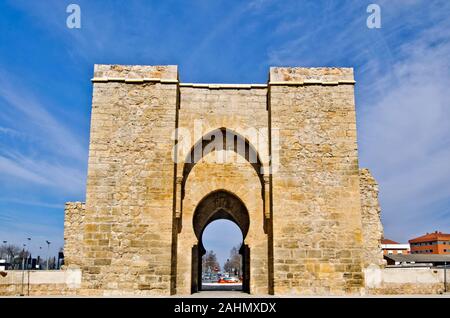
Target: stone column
(178, 198)
(266, 196)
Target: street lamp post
(23, 267)
(2, 250)
(48, 251)
(29, 246)
(445, 276)
(29, 266)
(7, 256)
(4, 242)
(38, 259)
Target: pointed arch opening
(222, 139)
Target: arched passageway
(209, 189)
(217, 205)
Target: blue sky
(221, 236)
(402, 92)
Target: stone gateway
(279, 159)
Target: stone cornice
(223, 86)
(219, 86)
(313, 82)
(133, 80)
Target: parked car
(227, 280)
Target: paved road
(221, 287)
(221, 294)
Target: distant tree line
(233, 265)
(11, 253)
(210, 263)
(19, 258)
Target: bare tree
(13, 251)
(234, 264)
(3, 252)
(13, 254)
(209, 262)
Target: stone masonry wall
(74, 214)
(40, 283)
(310, 241)
(371, 220)
(241, 109)
(404, 281)
(129, 198)
(317, 235)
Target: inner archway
(222, 263)
(217, 205)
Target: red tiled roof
(430, 237)
(388, 241)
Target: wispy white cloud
(320, 42)
(230, 21)
(12, 168)
(9, 131)
(30, 202)
(403, 80)
(47, 172)
(123, 33)
(37, 147)
(405, 135)
(28, 108)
